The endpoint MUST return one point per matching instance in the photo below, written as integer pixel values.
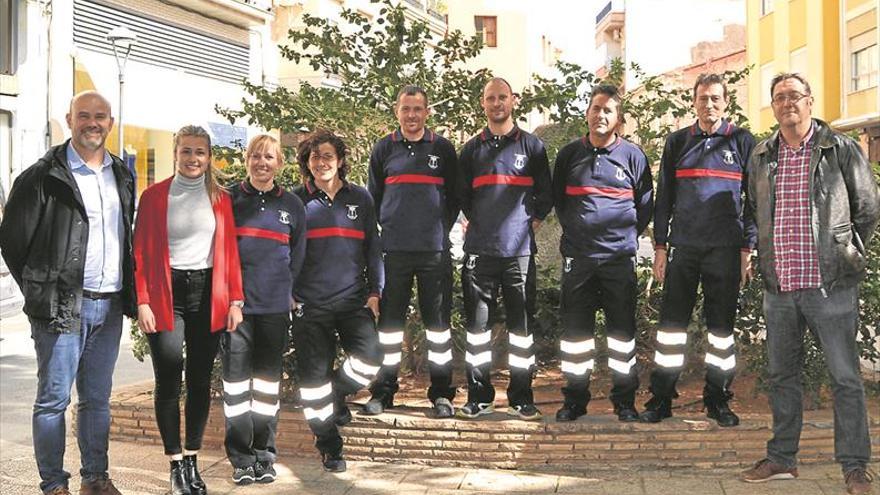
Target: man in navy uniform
(602, 190)
(505, 193)
(700, 199)
(412, 180)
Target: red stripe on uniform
(335, 232)
(611, 192)
(693, 173)
(414, 179)
(506, 180)
(262, 233)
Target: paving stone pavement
(142, 470)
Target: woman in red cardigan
(188, 281)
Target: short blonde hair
(264, 142)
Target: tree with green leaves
(372, 59)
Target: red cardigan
(152, 268)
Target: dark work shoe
(858, 481)
(264, 472)
(527, 412)
(720, 412)
(179, 484)
(341, 413)
(58, 490)
(767, 470)
(570, 412)
(191, 472)
(626, 413)
(377, 405)
(100, 486)
(333, 463)
(443, 408)
(243, 475)
(656, 410)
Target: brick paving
(496, 441)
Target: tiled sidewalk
(142, 469)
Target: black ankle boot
(193, 478)
(179, 485)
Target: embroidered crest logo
(352, 212)
(433, 161)
(728, 157)
(284, 217)
(620, 174)
(567, 266)
(520, 161)
(471, 261)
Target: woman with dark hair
(338, 292)
(188, 281)
(270, 223)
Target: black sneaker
(474, 409)
(656, 410)
(626, 413)
(443, 408)
(333, 463)
(377, 405)
(527, 412)
(243, 475)
(264, 472)
(341, 413)
(570, 412)
(721, 413)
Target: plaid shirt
(797, 259)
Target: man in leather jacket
(66, 237)
(816, 204)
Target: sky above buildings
(659, 33)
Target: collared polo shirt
(504, 185)
(413, 187)
(701, 188)
(103, 262)
(343, 263)
(603, 198)
(270, 226)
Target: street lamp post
(122, 40)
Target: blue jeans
(833, 319)
(87, 357)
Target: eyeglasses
(794, 98)
(325, 158)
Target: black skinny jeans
(191, 290)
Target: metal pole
(121, 93)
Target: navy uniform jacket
(271, 244)
(413, 187)
(504, 184)
(343, 264)
(701, 187)
(603, 198)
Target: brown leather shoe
(858, 481)
(98, 487)
(59, 490)
(767, 470)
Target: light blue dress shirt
(103, 269)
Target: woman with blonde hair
(270, 223)
(188, 281)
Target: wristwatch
(237, 304)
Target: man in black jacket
(66, 237)
(816, 205)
